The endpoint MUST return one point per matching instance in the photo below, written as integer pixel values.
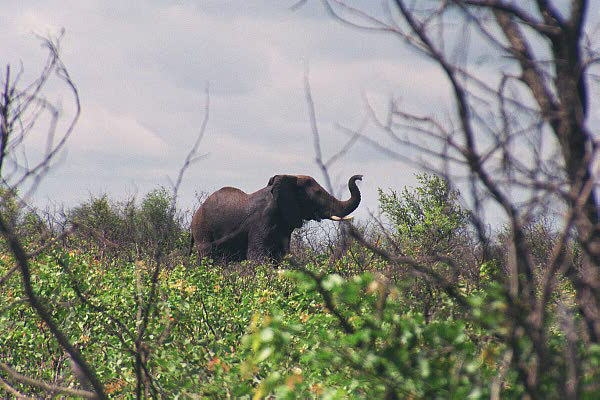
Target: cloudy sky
(142, 67)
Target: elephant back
(224, 211)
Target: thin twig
(193, 155)
(327, 298)
(13, 391)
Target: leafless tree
(324, 165)
(147, 302)
(518, 134)
(22, 109)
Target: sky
(142, 69)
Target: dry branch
(46, 387)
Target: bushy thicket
(316, 326)
(128, 229)
(428, 225)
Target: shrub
(151, 228)
(429, 226)
(426, 219)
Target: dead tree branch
(49, 388)
(21, 260)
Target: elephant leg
(227, 248)
(281, 247)
(273, 247)
(257, 253)
(285, 244)
(202, 241)
(204, 249)
(258, 249)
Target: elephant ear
(285, 199)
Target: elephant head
(299, 198)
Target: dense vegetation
(155, 322)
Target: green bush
(385, 352)
(426, 219)
(428, 225)
(235, 335)
(10, 209)
(151, 228)
(26, 223)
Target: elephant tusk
(346, 218)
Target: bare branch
(315, 131)
(13, 391)
(400, 261)
(370, 23)
(193, 155)
(531, 74)
(515, 11)
(21, 260)
(21, 109)
(43, 385)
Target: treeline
(131, 229)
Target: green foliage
(218, 334)
(9, 206)
(151, 228)
(387, 354)
(237, 335)
(100, 222)
(429, 225)
(428, 216)
(25, 223)
(199, 320)
(156, 224)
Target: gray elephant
(232, 225)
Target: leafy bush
(426, 219)
(26, 223)
(429, 226)
(9, 206)
(151, 228)
(372, 349)
(99, 224)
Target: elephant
(232, 225)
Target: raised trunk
(342, 208)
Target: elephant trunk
(341, 209)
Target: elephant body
(232, 225)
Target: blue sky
(142, 67)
